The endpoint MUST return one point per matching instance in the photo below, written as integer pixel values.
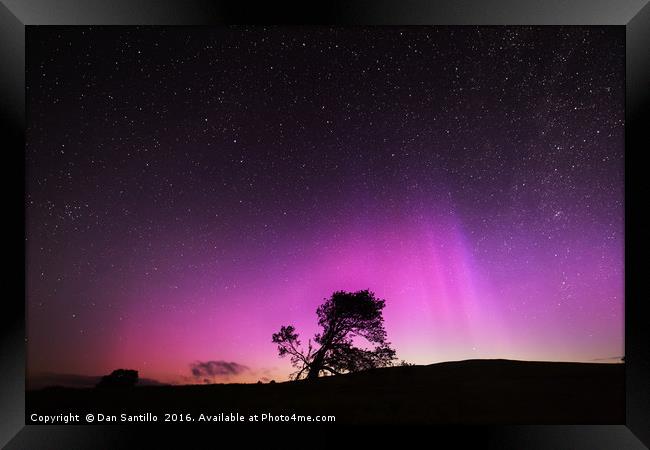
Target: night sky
(190, 190)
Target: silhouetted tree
(119, 378)
(343, 317)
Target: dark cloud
(207, 370)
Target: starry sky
(190, 190)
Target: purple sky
(192, 190)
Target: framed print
(239, 217)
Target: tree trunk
(319, 358)
(316, 365)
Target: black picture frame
(16, 15)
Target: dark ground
(467, 392)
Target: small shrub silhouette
(119, 378)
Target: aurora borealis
(190, 190)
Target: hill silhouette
(471, 391)
(68, 380)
